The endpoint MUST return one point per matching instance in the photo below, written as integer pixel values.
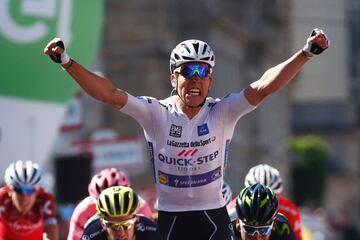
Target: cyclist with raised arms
(117, 217)
(27, 211)
(257, 218)
(270, 177)
(189, 133)
(87, 207)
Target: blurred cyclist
(87, 207)
(270, 177)
(117, 218)
(256, 216)
(27, 211)
(227, 193)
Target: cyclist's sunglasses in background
(124, 225)
(262, 230)
(25, 190)
(190, 69)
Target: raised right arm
(96, 86)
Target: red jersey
(291, 211)
(15, 226)
(287, 208)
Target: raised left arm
(278, 77)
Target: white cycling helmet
(226, 192)
(266, 175)
(23, 174)
(191, 51)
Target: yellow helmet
(117, 201)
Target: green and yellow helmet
(257, 205)
(117, 201)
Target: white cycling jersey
(188, 155)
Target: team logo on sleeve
(175, 131)
(203, 130)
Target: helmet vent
(177, 56)
(117, 203)
(204, 49)
(106, 184)
(188, 58)
(98, 189)
(107, 201)
(196, 46)
(126, 203)
(205, 58)
(33, 175)
(186, 47)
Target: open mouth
(194, 92)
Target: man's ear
(211, 80)
(173, 80)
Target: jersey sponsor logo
(185, 158)
(200, 143)
(210, 105)
(23, 227)
(282, 229)
(186, 181)
(46, 209)
(163, 179)
(203, 130)
(143, 228)
(186, 153)
(175, 131)
(145, 98)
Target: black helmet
(257, 205)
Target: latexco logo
(38, 12)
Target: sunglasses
(124, 225)
(262, 230)
(24, 190)
(189, 70)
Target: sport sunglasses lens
(118, 225)
(189, 70)
(27, 191)
(263, 231)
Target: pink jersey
(87, 208)
(15, 226)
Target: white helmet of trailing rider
(23, 174)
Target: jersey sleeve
(48, 208)
(145, 229)
(283, 229)
(82, 213)
(144, 110)
(94, 231)
(292, 213)
(234, 106)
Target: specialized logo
(175, 131)
(203, 130)
(179, 181)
